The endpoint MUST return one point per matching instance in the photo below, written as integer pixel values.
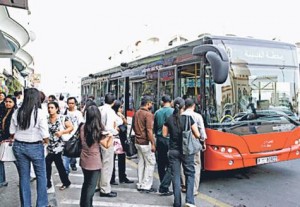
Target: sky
(75, 38)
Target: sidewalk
(9, 196)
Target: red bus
(246, 89)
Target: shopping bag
(190, 145)
(6, 152)
(118, 149)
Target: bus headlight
(223, 149)
(229, 150)
(230, 162)
(297, 142)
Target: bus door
(102, 92)
(189, 81)
(166, 83)
(137, 92)
(121, 89)
(113, 87)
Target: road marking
(109, 204)
(77, 186)
(81, 175)
(202, 196)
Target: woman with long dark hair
(174, 127)
(122, 129)
(29, 128)
(10, 106)
(58, 125)
(90, 159)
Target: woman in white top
(29, 129)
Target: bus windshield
(255, 94)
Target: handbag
(73, 146)
(6, 152)
(130, 148)
(190, 145)
(129, 144)
(64, 137)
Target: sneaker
(74, 168)
(189, 205)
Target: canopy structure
(5, 49)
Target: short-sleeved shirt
(160, 118)
(176, 132)
(56, 144)
(143, 126)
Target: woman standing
(122, 129)
(28, 128)
(174, 126)
(10, 106)
(90, 159)
(58, 125)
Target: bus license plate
(264, 160)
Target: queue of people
(158, 139)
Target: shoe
(151, 190)
(4, 184)
(189, 205)
(32, 179)
(183, 189)
(74, 168)
(167, 193)
(63, 187)
(126, 180)
(111, 194)
(196, 193)
(97, 190)
(114, 183)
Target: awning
(12, 28)
(5, 48)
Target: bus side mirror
(218, 59)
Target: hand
(58, 133)
(153, 148)
(204, 146)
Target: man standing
(109, 120)
(75, 116)
(162, 145)
(144, 142)
(190, 111)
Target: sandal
(63, 187)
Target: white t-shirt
(76, 118)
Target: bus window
(189, 85)
(166, 83)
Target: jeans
(25, 154)
(90, 178)
(2, 174)
(57, 159)
(67, 162)
(176, 159)
(164, 171)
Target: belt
(37, 142)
